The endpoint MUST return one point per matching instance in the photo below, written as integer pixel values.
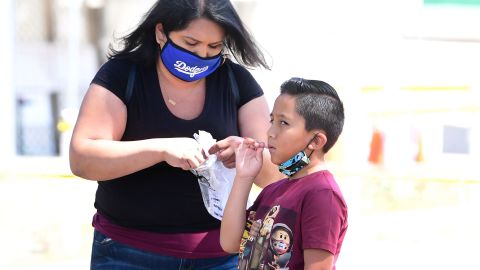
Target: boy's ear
(160, 35)
(319, 141)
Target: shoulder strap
(130, 83)
(233, 84)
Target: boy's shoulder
(321, 181)
(314, 181)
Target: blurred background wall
(408, 66)
(407, 72)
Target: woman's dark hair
(141, 46)
(318, 103)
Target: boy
(298, 222)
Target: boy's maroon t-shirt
(290, 216)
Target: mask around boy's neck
(297, 162)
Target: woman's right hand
(184, 153)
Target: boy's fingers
(259, 153)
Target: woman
(150, 212)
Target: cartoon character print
(261, 244)
(265, 244)
(249, 236)
(281, 243)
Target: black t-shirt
(162, 198)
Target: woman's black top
(162, 198)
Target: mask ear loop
(168, 40)
(314, 136)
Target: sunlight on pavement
(46, 222)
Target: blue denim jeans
(108, 254)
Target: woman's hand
(184, 153)
(249, 158)
(225, 150)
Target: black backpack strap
(130, 83)
(233, 84)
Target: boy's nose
(270, 132)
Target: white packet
(214, 178)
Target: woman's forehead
(204, 30)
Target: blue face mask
(296, 163)
(187, 66)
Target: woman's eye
(215, 46)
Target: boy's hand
(249, 158)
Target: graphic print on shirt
(267, 243)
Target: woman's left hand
(225, 150)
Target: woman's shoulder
(116, 64)
(237, 69)
(247, 84)
(113, 75)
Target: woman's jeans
(111, 255)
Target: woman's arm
(254, 121)
(96, 152)
(317, 259)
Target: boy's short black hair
(318, 103)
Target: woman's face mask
(185, 65)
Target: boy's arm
(234, 215)
(249, 160)
(317, 259)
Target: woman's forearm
(107, 159)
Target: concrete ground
(394, 223)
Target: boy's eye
(283, 123)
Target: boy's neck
(313, 167)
